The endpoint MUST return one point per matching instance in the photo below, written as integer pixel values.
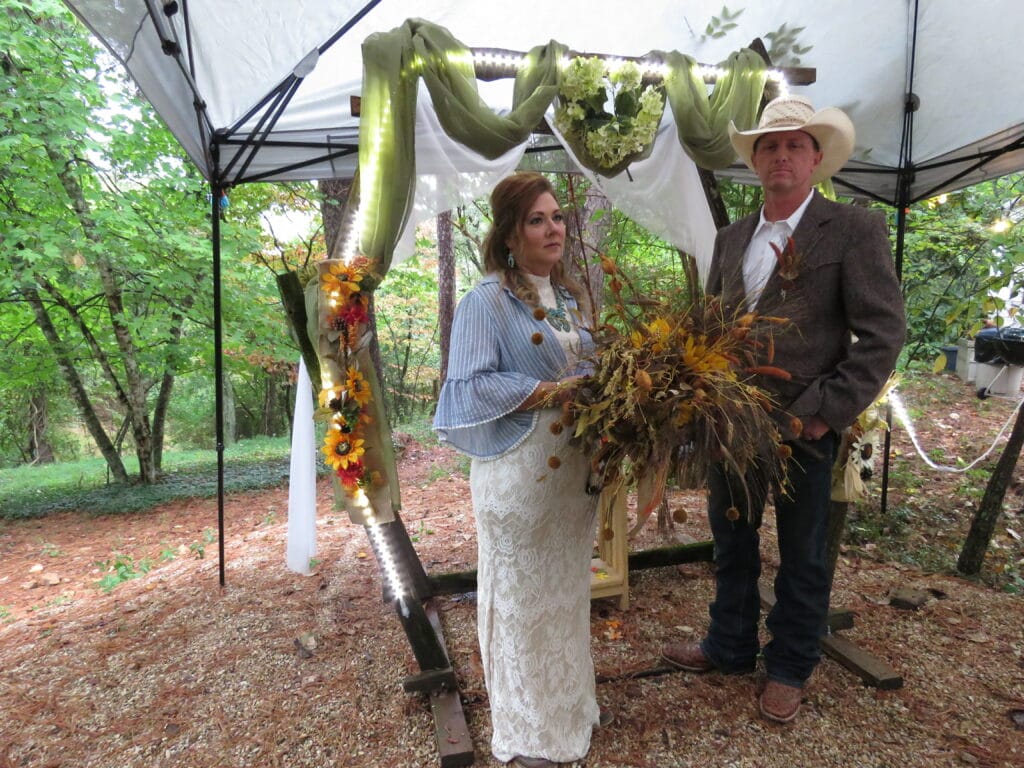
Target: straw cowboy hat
(830, 127)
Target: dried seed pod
(796, 426)
(607, 265)
(607, 534)
(770, 370)
(554, 462)
(567, 415)
(679, 515)
(537, 338)
(615, 284)
(732, 514)
(539, 313)
(643, 380)
(783, 451)
(556, 428)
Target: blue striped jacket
(493, 366)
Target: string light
(388, 563)
(495, 59)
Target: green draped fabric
(392, 63)
(702, 122)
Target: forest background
(106, 288)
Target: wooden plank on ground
(871, 669)
(838, 618)
(454, 744)
(868, 667)
(453, 741)
(699, 552)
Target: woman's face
(538, 244)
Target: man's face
(785, 160)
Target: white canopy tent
(269, 82)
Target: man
(831, 273)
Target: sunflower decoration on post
(673, 391)
(606, 113)
(352, 445)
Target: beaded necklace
(556, 316)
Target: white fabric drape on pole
(448, 174)
(302, 479)
(662, 193)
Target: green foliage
(35, 491)
(198, 548)
(720, 26)
(406, 310)
(119, 569)
(784, 50)
(104, 222)
(421, 532)
(955, 264)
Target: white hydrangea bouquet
(606, 114)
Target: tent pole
(901, 234)
(218, 362)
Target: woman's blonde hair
(511, 203)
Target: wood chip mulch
(278, 669)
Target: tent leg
(218, 370)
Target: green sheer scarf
(393, 63)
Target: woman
(516, 348)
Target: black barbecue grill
(1002, 347)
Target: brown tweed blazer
(846, 285)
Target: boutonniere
(789, 264)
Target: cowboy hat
(830, 127)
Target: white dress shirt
(760, 261)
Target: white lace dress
(535, 532)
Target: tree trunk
(984, 522)
(333, 196)
(39, 449)
(445, 286)
(268, 416)
(135, 387)
(230, 414)
(585, 238)
(163, 399)
(75, 385)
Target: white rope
(900, 412)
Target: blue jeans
(802, 585)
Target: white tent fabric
(966, 71)
(302, 480)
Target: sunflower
(341, 281)
(342, 450)
(358, 387)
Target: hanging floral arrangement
(674, 390)
(606, 113)
(344, 403)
